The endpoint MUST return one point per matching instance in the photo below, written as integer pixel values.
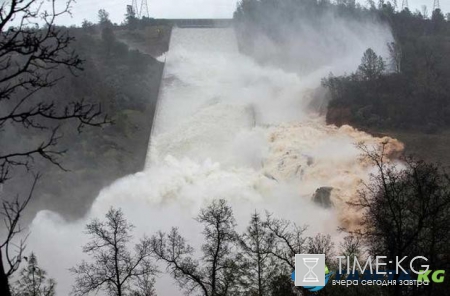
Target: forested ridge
(124, 82)
(404, 94)
(409, 89)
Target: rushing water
(228, 128)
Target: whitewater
(227, 127)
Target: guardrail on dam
(202, 23)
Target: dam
(227, 128)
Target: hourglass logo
(309, 270)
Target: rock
(322, 197)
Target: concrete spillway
(196, 115)
(218, 108)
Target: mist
(229, 127)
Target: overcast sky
(87, 9)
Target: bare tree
(32, 50)
(33, 280)
(114, 269)
(29, 58)
(396, 55)
(173, 249)
(321, 244)
(289, 240)
(352, 247)
(214, 274)
(11, 252)
(257, 243)
(406, 210)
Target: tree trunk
(4, 285)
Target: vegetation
(406, 212)
(214, 273)
(407, 90)
(406, 209)
(114, 269)
(54, 83)
(33, 280)
(410, 91)
(256, 244)
(410, 99)
(124, 82)
(29, 61)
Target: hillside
(404, 94)
(120, 72)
